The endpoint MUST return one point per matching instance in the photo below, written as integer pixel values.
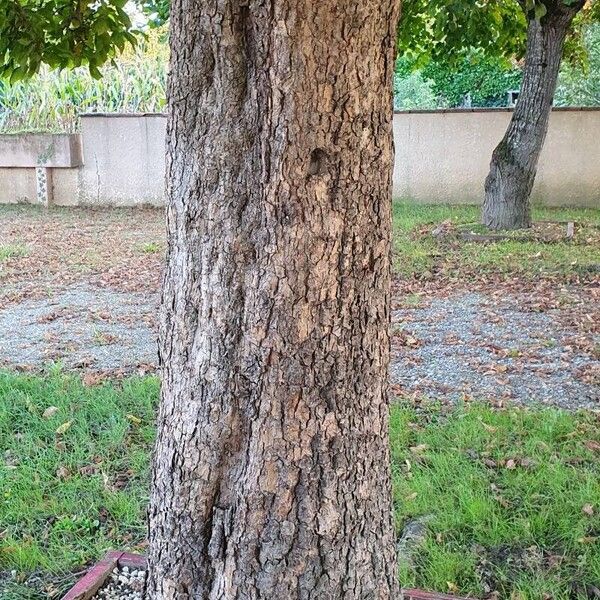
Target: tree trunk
(271, 474)
(514, 161)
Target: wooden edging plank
(92, 581)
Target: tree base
(502, 215)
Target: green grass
(525, 518)
(151, 248)
(418, 253)
(65, 498)
(12, 251)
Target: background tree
(483, 80)
(514, 161)
(447, 31)
(579, 84)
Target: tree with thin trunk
(271, 474)
(514, 161)
(446, 31)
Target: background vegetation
(136, 82)
(484, 81)
(52, 100)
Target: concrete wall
(124, 159)
(444, 156)
(40, 150)
(441, 157)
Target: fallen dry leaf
(592, 445)
(64, 428)
(50, 412)
(91, 379)
(63, 473)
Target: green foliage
(157, 11)
(448, 30)
(51, 100)
(486, 79)
(414, 91)
(579, 85)
(61, 34)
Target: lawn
(510, 497)
(73, 476)
(419, 254)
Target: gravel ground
(468, 346)
(465, 346)
(123, 584)
(80, 327)
(82, 289)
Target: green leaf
(95, 72)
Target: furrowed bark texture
(271, 474)
(514, 161)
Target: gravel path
(80, 327)
(464, 346)
(82, 287)
(468, 346)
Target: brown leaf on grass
(103, 515)
(50, 412)
(91, 379)
(502, 501)
(590, 539)
(63, 473)
(511, 464)
(592, 445)
(119, 482)
(88, 470)
(64, 428)
(452, 587)
(588, 510)
(489, 428)
(419, 448)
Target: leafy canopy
(61, 34)
(447, 31)
(71, 33)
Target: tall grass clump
(51, 100)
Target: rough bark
(271, 474)
(515, 159)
